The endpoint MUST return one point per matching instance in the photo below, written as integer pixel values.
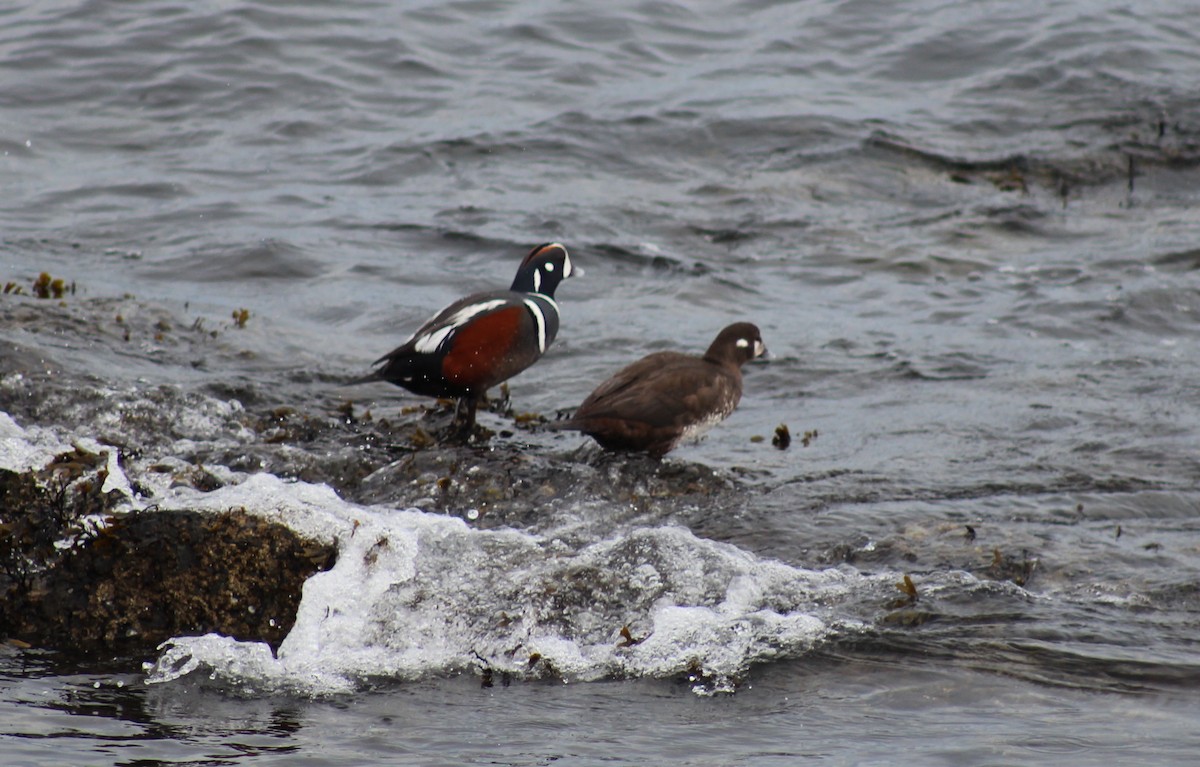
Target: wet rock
(71, 582)
(507, 484)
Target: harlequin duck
(481, 340)
(667, 398)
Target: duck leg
(463, 425)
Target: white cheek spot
(550, 267)
(743, 343)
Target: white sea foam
(415, 594)
(115, 478)
(22, 449)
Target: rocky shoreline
(89, 562)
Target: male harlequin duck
(667, 398)
(481, 340)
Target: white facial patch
(540, 319)
(550, 266)
(743, 343)
(429, 343)
(759, 349)
(537, 281)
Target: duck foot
(463, 430)
(455, 425)
(501, 404)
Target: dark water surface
(969, 234)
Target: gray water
(969, 234)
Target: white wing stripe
(429, 342)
